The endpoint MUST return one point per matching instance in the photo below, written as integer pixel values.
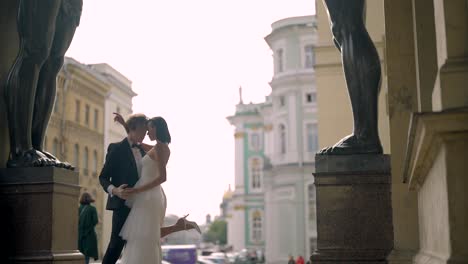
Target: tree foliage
(217, 233)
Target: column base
(40, 216)
(354, 213)
(401, 257)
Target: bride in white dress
(143, 228)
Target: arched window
(86, 160)
(95, 161)
(76, 155)
(255, 142)
(282, 134)
(55, 147)
(256, 173)
(257, 226)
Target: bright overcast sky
(186, 60)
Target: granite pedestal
(354, 214)
(39, 216)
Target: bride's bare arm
(119, 119)
(167, 230)
(181, 224)
(162, 153)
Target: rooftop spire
(240, 95)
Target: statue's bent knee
(37, 54)
(342, 31)
(55, 63)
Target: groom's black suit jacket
(119, 168)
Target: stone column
(354, 214)
(436, 167)
(451, 20)
(402, 102)
(39, 215)
(425, 51)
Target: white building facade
(275, 145)
(245, 210)
(119, 100)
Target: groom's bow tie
(139, 147)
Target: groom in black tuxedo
(120, 171)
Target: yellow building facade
(76, 130)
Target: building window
(96, 118)
(312, 138)
(282, 133)
(279, 60)
(85, 160)
(94, 193)
(77, 110)
(255, 142)
(309, 57)
(87, 114)
(257, 226)
(312, 217)
(56, 103)
(55, 147)
(95, 162)
(282, 101)
(76, 155)
(311, 97)
(256, 173)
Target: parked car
(203, 260)
(232, 257)
(218, 258)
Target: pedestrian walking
(88, 219)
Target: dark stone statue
(45, 30)
(361, 66)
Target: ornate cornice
(427, 133)
(74, 130)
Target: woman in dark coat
(88, 219)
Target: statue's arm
(106, 172)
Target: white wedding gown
(142, 229)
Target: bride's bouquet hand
(187, 225)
